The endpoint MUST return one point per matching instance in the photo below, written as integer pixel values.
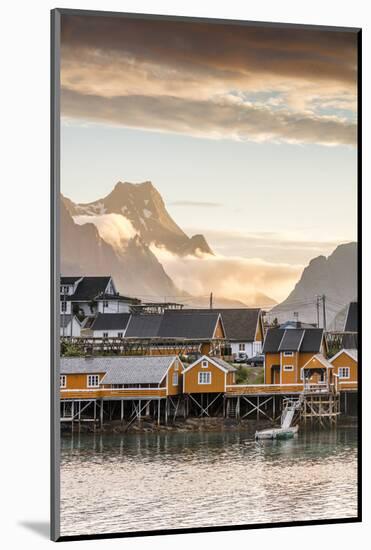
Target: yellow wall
(343, 360)
(79, 381)
(219, 333)
(218, 379)
(171, 389)
(259, 331)
(288, 377)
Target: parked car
(255, 361)
(240, 358)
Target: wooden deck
(263, 389)
(111, 393)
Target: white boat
(277, 433)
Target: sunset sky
(248, 133)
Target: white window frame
(63, 306)
(204, 378)
(204, 364)
(105, 304)
(92, 380)
(176, 366)
(62, 381)
(342, 370)
(105, 335)
(288, 354)
(241, 347)
(120, 335)
(175, 379)
(288, 368)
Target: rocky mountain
(135, 268)
(334, 276)
(144, 207)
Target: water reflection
(156, 481)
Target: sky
(248, 133)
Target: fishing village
(130, 365)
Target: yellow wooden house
(287, 351)
(208, 375)
(345, 367)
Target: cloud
(229, 277)
(213, 119)
(115, 229)
(235, 82)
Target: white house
(91, 295)
(70, 326)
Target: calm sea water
(112, 483)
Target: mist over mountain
(334, 276)
(145, 209)
(135, 268)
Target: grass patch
(249, 375)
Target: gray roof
(223, 364)
(86, 365)
(240, 324)
(138, 370)
(351, 322)
(304, 340)
(111, 321)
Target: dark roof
(291, 340)
(69, 280)
(186, 324)
(272, 340)
(351, 322)
(143, 326)
(304, 340)
(239, 324)
(312, 340)
(110, 321)
(174, 324)
(90, 287)
(118, 297)
(349, 341)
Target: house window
(344, 372)
(204, 364)
(93, 380)
(241, 347)
(120, 334)
(105, 334)
(63, 307)
(175, 379)
(65, 289)
(176, 366)
(62, 381)
(289, 368)
(204, 377)
(105, 304)
(288, 354)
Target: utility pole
(324, 311)
(317, 308)
(211, 300)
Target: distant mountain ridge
(334, 276)
(144, 207)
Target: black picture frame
(56, 15)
